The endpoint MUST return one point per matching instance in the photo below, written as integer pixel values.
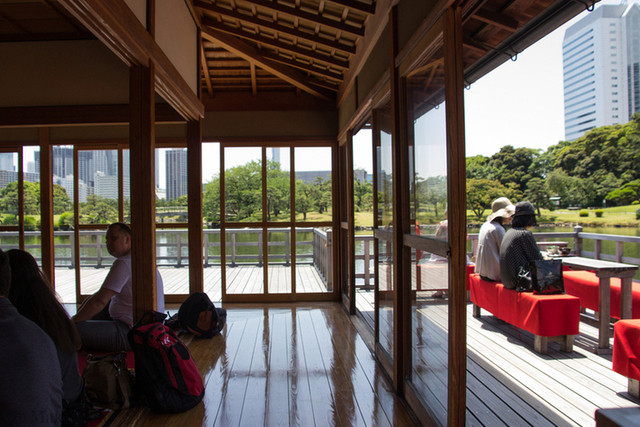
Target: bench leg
(634, 388)
(476, 310)
(540, 344)
(566, 344)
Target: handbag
(523, 280)
(107, 381)
(546, 276)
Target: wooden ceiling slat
(278, 44)
(296, 33)
(251, 54)
(296, 12)
(500, 21)
(368, 8)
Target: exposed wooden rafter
(272, 25)
(256, 38)
(251, 54)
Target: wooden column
(46, 206)
(194, 183)
(456, 193)
(142, 160)
(401, 280)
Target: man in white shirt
(490, 238)
(104, 320)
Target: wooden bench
(548, 317)
(584, 285)
(626, 352)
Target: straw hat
(501, 207)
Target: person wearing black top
(518, 247)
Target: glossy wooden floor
(242, 279)
(294, 365)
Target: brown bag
(107, 381)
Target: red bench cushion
(626, 348)
(584, 285)
(544, 315)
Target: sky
(520, 103)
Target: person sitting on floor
(105, 318)
(34, 298)
(519, 247)
(30, 379)
(490, 238)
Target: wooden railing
(173, 250)
(577, 239)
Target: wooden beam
(374, 29)
(78, 114)
(205, 70)
(251, 54)
(368, 8)
(143, 224)
(292, 32)
(113, 23)
(46, 206)
(194, 195)
(288, 47)
(501, 21)
(457, 216)
(323, 71)
(295, 11)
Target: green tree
(303, 198)
(278, 190)
(481, 192)
(243, 192)
(538, 194)
(98, 210)
(363, 196)
(211, 200)
(321, 194)
(516, 166)
(9, 198)
(61, 200)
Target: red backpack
(166, 375)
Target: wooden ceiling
(267, 46)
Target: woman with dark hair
(34, 298)
(519, 247)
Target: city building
(176, 173)
(601, 74)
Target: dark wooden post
(456, 189)
(143, 225)
(401, 253)
(194, 183)
(46, 206)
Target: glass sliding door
(383, 232)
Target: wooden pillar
(142, 157)
(46, 206)
(194, 184)
(456, 194)
(401, 281)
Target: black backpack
(199, 316)
(165, 373)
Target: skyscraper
(601, 74)
(176, 163)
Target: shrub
(637, 213)
(584, 213)
(636, 202)
(599, 213)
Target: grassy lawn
(619, 215)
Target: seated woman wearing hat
(490, 238)
(518, 246)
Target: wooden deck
(306, 364)
(507, 382)
(241, 279)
